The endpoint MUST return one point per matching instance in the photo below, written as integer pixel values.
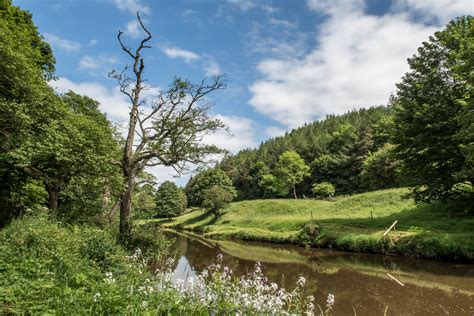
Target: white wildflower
(301, 281)
(330, 300)
(96, 297)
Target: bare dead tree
(166, 131)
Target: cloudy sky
(287, 62)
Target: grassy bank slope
(353, 223)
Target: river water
(359, 282)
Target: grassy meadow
(352, 223)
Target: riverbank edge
(451, 247)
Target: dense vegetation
(48, 268)
(55, 150)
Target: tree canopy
(433, 118)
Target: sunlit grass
(354, 223)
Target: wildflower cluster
(216, 290)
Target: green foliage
(25, 103)
(59, 145)
(335, 149)
(205, 180)
(291, 170)
(380, 169)
(433, 100)
(170, 200)
(47, 268)
(324, 190)
(216, 198)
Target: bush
(216, 198)
(308, 234)
(170, 200)
(324, 190)
(205, 180)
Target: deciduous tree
(167, 130)
(433, 101)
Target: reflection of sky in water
(183, 270)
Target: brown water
(359, 281)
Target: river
(363, 283)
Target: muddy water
(360, 283)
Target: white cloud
(356, 62)
(61, 43)
(174, 52)
(275, 41)
(88, 63)
(243, 5)
(133, 29)
(442, 11)
(212, 68)
(337, 7)
(240, 134)
(283, 23)
(188, 12)
(274, 131)
(132, 6)
(97, 65)
(112, 101)
(92, 42)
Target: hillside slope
(353, 223)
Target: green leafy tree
(323, 190)
(144, 196)
(170, 200)
(205, 180)
(216, 198)
(381, 169)
(291, 170)
(433, 100)
(26, 62)
(271, 186)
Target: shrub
(323, 190)
(170, 200)
(205, 180)
(216, 198)
(308, 235)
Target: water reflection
(358, 281)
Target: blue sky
(287, 62)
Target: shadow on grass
(201, 218)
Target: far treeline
(424, 139)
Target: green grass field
(353, 223)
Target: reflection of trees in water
(336, 273)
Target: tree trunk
(53, 196)
(126, 206)
(294, 191)
(111, 214)
(128, 175)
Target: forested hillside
(339, 149)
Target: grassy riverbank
(353, 223)
(48, 268)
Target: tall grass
(48, 268)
